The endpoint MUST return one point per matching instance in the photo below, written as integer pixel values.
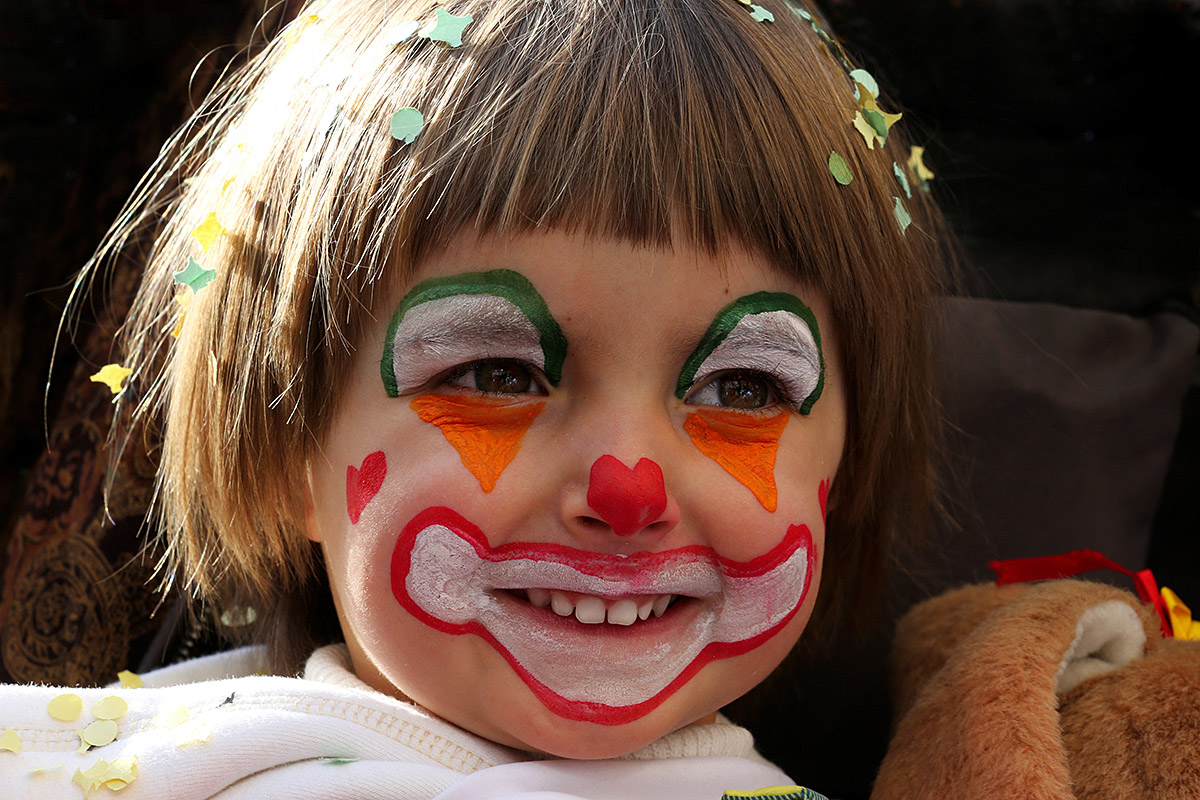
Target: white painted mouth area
(451, 582)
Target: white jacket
(212, 728)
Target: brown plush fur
(975, 674)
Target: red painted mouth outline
(611, 567)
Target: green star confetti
(902, 217)
(194, 275)
(901, 179)
(406, 124)
(840, 169)
(760, 14)
(448, 27)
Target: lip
(446, 574)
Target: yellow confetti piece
(10, 741)
(66, 707)
(1182, 624)
(208, 231)
(863, 127)
(113, 376)
(45, 770)
(99, 733)
(916, 164)
(172, 718)
(194, 732)
(113, 775)
(111, 707)
(292, 34)
(129, 679)
(184, 299)
(226, 184)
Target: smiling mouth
(592, 610)
(597, 637)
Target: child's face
(554, 439)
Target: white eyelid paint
(444, 333)
(777, 343)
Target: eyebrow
(507, 307)
(784, 340)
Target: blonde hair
(644, 120)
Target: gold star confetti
(113, 775)
(10, 741)
(66, 707)
(863, 127)
(184, 299)
(208, 231)
(113, 376)
(916, 165)
(292, 34)
(129, 679)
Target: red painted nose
(627, 499)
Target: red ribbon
(1067, 565)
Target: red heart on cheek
(627, 499)
(362, 483)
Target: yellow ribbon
(1182, 624)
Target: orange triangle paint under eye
(485, 432)
(745, 445)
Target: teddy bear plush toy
(1055, 690)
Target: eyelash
(779, 391)
(538, 380)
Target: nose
(630, 500)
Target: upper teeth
(594, 610)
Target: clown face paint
(771, 334)
(555, 613)
(445, 323)
(445, 574)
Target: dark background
(1059, 133)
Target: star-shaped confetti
(901, 179)
(208, 231)
(113, 376)
(448, 27)
(292, 34)
(870, 136)
(840, 169)
(406, 124)
(760, 14)
(194, 275)
(184, 299)
(901, 213)
(916, 165)
(130, 680)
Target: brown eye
(497, 376)
(744, 390)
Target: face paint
(772, 333)
(363, 483)
(823, 496)
(446, 322)
(627, 499)
(744, 444)
(446, 574)
(485, 431)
